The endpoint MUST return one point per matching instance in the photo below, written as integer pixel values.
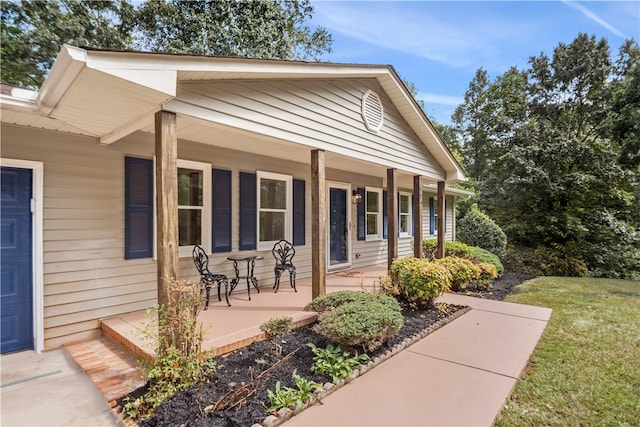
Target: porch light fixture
(356, 197)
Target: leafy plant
(335, 362)
(477, 229)
(488, 274)
(462, 271)
(459, 249)
(418, 281)
(289, 397)
(479, 255)
(180, 361)
(365, 324)
(274, 329)
(334, 300)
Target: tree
(556, 142)
(471, 124)
(33, 31)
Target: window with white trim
(194, 206)
(274, 208)
(404, 212)
(373, 213)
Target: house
(336, 158)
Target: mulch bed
(240, 367)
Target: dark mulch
(500, 288)
(240, 367)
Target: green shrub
(335, 362)
(544, 261)
(479, 255)
(329, 302)
(463, 271)
(274, 329)
(180, 361)
(488, 273)
(477, 229)
(459, 249)
(418, 281)
(365, 324)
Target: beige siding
(86, 277)
(322, 114)
(449, 234)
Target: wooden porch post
(417, 217)
(392, 217)
(441, 220)
(166, 202)
(318, 225)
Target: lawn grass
(585, 370)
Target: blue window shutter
(432, 216)
(362, 226)
(221, 210)
(138, 208)
(385, 218)
(248, 212)
(298, 212)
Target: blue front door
(16, 298)
(338, 227)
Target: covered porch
(229, 328)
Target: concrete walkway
(49, 389)
(461, 375)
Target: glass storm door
(339, 239)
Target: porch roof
(110, 94)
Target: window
(373, 213)
(274, 208)
(194, 206)
(404, 212)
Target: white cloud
(434, 98)
(594, 17)
(422, 29)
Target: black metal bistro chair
(207, 278)
(283, 252)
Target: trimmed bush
(365, 324)
(329, 302)
(477, 229)
(430, 246)
(488, 273)
(479, 255)
(418, 281)
(463, 271)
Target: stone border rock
(285, 414)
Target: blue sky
(439, 45)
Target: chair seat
(283, 252)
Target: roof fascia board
(17, 104)
(454, 172)
(67, 66)
(449, 190)
(106, 60)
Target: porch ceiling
(214, 134)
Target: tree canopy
(554, 152)
(33, 31)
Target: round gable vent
(372, 111)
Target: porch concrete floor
(230, 328)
